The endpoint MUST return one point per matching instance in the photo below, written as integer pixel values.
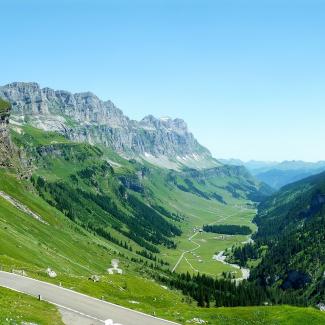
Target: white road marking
(76, 312)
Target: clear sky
(247, 76)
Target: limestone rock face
(6, 150)
(84, 117)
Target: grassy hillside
(75, 254)
(96, 206)
(292, 225)
(146, 210)
(60, 244)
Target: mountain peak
(175, 125)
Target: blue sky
(247, 76)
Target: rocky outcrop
(6, 150)
(84, 117)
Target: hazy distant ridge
(279, 174)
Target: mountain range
(78, 146)
(279, 174)
(84, 117)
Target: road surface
(73, 305)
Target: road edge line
(82, 294)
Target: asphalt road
(79, 305)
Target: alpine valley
(198, 241)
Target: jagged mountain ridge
(83, 117)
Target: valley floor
(196, 249)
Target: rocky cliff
(5, 143)
(84, 117)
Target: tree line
(228, 229)
(208, 291)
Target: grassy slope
(292, 225)
(277, 315)
(152, 297)
(54, 168)
(27, 244)
(16, 308)
(61, 245)
(63, 163)
(195, 209)
(75, 254)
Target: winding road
(77, 308)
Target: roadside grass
(268, 315)
(145, 295)
(16, 308)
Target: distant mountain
(232, 162)
(83, 117)
(278, 174)
(288, 172)
(251, 165)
